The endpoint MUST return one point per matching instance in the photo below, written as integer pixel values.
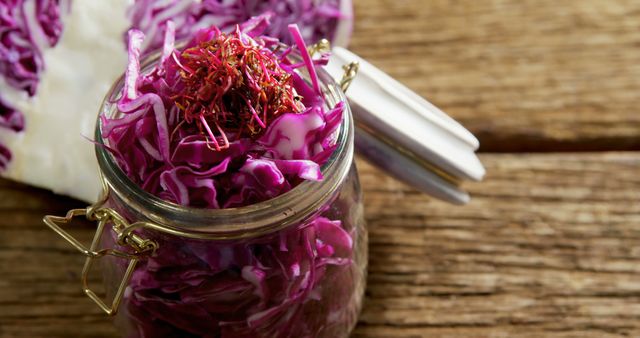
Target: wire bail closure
(140, 247)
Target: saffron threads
(232, 88)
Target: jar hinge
(140, 247)
(350, 70)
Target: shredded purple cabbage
(298, 282)
(176, 161)
(318, 19)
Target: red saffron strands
(232, 89)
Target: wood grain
(523, 75)
(549, 246)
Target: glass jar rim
(247, 221)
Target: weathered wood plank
(523, 75)
(549, 246)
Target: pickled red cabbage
(230, 158)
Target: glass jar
(292, 266)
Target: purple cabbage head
(27, 28)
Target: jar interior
(266, 216)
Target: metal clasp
(141, 247)
(321, 46)
(350, 70)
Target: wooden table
(550, 244)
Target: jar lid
(405, 135)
